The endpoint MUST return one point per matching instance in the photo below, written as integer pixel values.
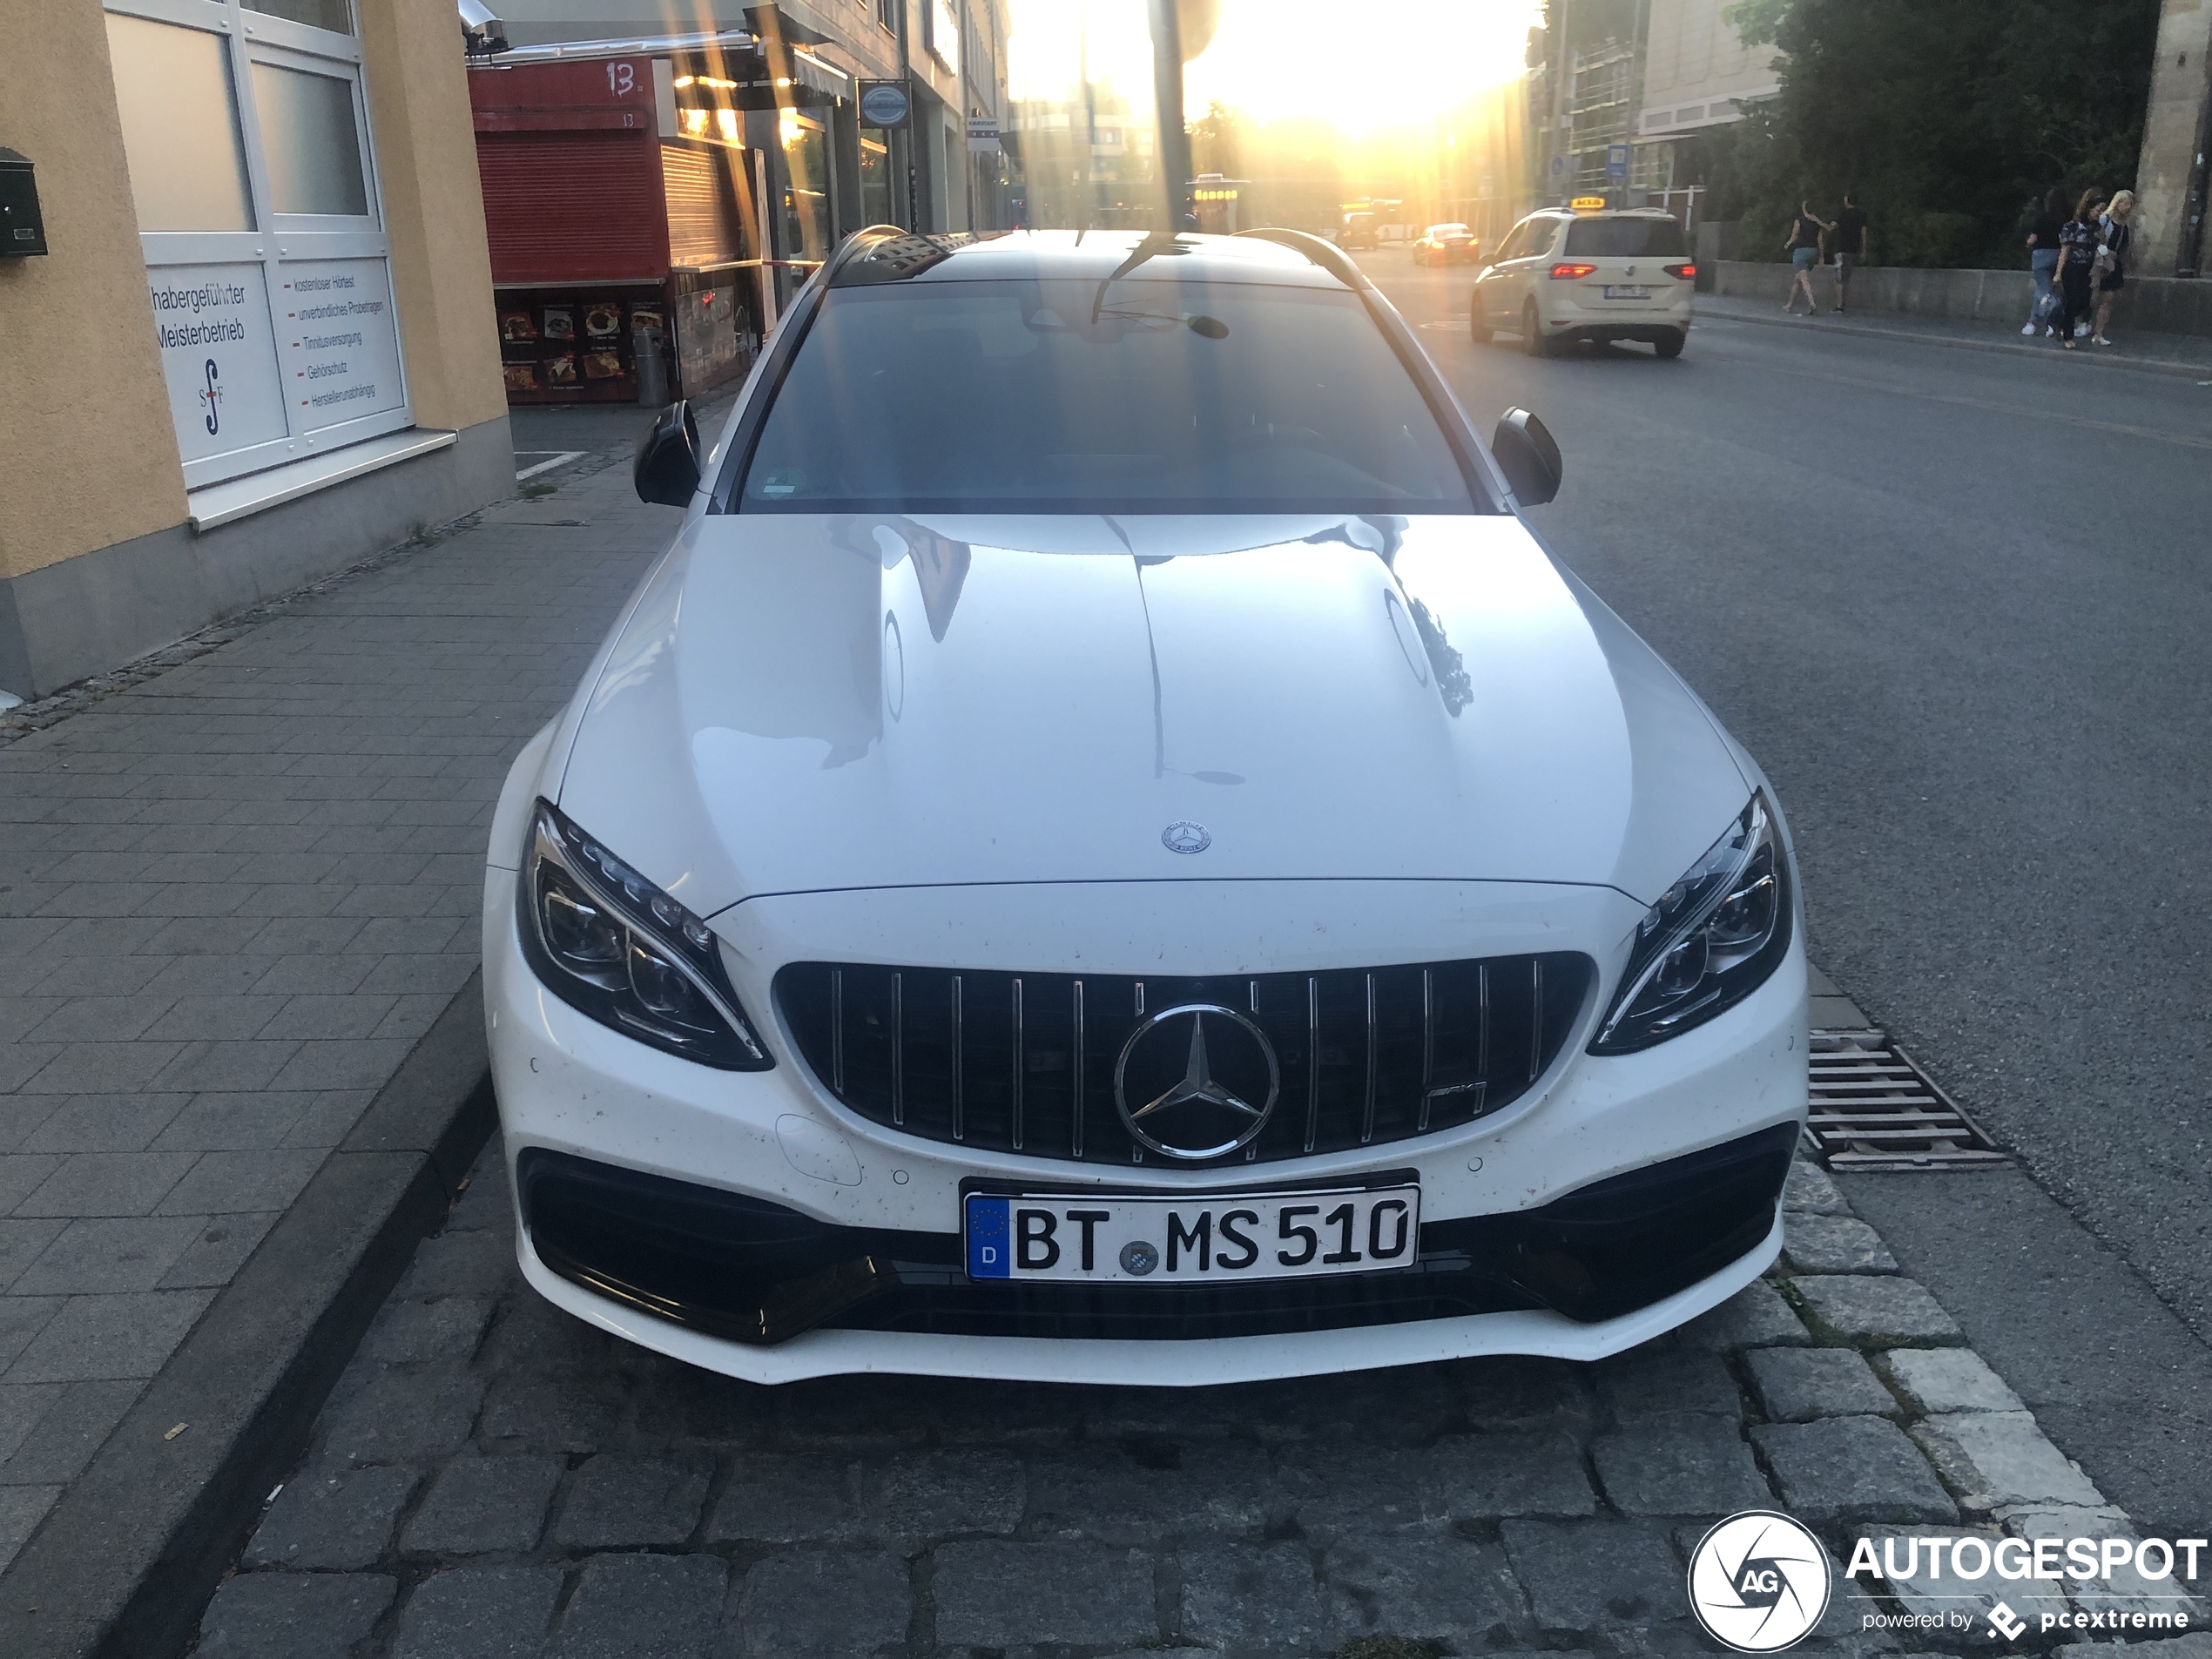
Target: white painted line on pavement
(547, 465)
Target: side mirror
(1528, 455)
(667, 467)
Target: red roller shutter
(573, 206)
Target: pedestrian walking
(1847, 245)
(2043, 258)
(2079, 239)
(1804, 249)
(2111, 267)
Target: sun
(1279, 58)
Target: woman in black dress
(2079, 239)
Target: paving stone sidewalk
(233, 897)
(493, 1478)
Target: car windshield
(1627, 238)
(1146, 396)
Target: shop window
(875, 176)
(266, 258)
(180, 128)
(312, 146)
(806, 200)
(316, 14)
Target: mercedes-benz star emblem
(1188, 1078)
(1185, 838)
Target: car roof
(1601, 212)
(1088, 255)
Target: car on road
(1445, 245)
(1358, 231)
(1105, 849)
(1562, 276)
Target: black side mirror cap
(1528, 455)
(667, 468)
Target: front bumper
(748, 1223)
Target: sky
(1272, 58)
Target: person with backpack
(1804, 248)
(2111, 268)
(2043, 258)
(2078, 240)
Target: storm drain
(1872, 1109)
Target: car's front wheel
(1671, 345)
(1478, 319)
(1532, 331)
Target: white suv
(1615, 275)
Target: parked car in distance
(1562, 276)
(1451, 244)
(1161, 880)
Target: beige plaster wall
(87, 454)
(433, 209)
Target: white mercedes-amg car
(1106, 850)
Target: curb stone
(126, 1558)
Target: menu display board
(556, 346)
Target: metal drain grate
(1872, 1109)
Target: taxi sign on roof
(1586, 203)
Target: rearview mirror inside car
(1528, 455)
(667, 467)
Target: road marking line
(2181, 438)
(547, 465)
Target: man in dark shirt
(1847, 245)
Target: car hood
(809, 703)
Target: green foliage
(1945, 116)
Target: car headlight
(610, 944)
(1711, 940)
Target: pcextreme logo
(1758, 1582)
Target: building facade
(260, 342)
(1697, 72)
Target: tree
(1945, 116)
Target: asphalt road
(1957, 603)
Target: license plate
(1091, 1238)
(1615, 291)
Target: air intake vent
(1025, 1062)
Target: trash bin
(652, 369)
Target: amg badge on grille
(1185, 838)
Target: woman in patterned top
(2118, 235)
(2079, 239)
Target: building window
(887, 13)
(267, 257)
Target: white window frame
(279, 240)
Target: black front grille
(1024, 1062)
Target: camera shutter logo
(1759, 1583)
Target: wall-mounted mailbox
(21, 230)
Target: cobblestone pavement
(495, 1478)
(234, 894)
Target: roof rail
(1319, 249)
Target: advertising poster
(217, 357)
(341, 347)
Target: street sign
(884, 104)
(983, 133)
(1559, 168)
(1616, 161)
